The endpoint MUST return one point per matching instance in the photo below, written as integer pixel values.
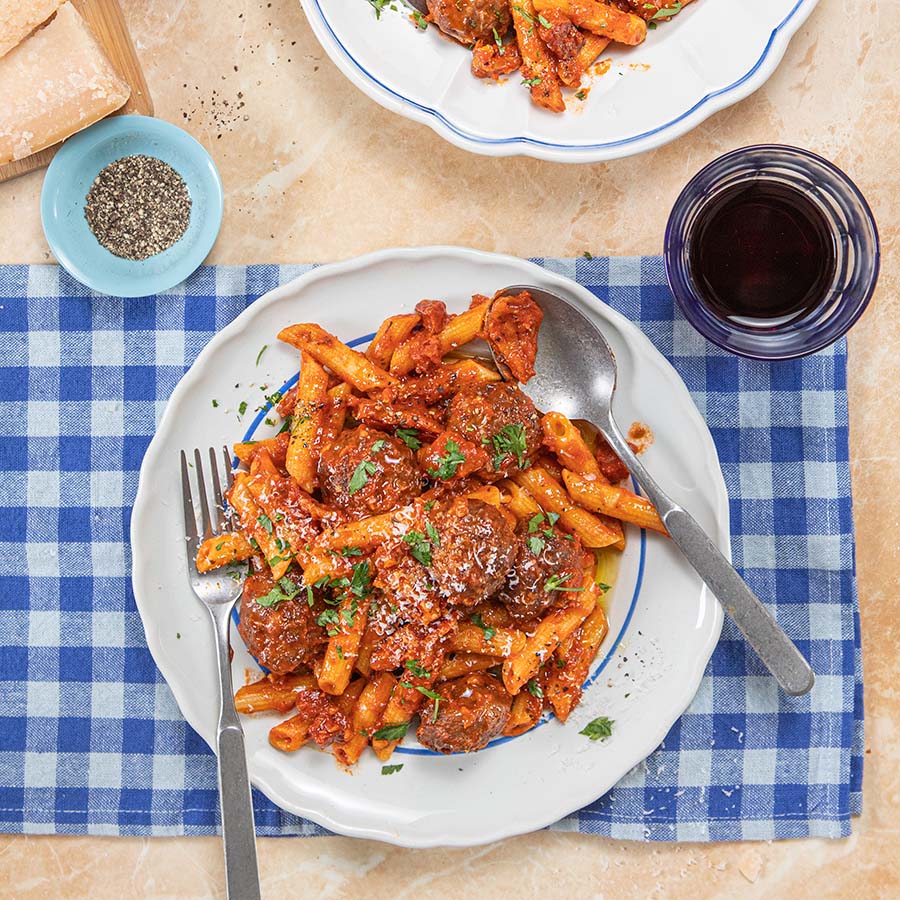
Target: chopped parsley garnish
(360, 477)
(259, 355)
(603, 586)
(284, 590)
(329, 620)
(538, 534)
(581, 95)
(556, 582)
(449, 463)
(531, 82)
(266, 522)
(519, 9)
(286, 425)
(431, 695)
(340, 651)
(598, 730)
(430, 505)
(379, 445)
(416, 669)
(509, 441)
(410, 437)
(242, 407)
(215, 404)
(422, 23)
(534, 689)
(667, 11)
(587, 255)
(500, 48)
(351, 551)
(378, 6)
(392, 770)
(391, 732)
(419, 546)
(426, 692)
(433, 534)
(543, 21)
(489, 631)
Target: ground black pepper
(138, 206)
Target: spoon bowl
(576, 375)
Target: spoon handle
(763, 633)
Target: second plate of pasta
(662, 622)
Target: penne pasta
(366, 715)
(391, 334)
(550, 495)
(524, 715)
(538, 64)
(571, 71)
(309, 419)
(463, 663)
(291, 734)
(349, 365)
(554, 628)
(599, 17)
(343, 645)
(502, 641)
(272, 692)
(458, 331)
(405, 702)
(610, 500)
(572, 664)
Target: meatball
(477, 548)
(472, 711)
(503, 419)
(366, 471)
(427, 644)
(542, 555)
(468, 21)
(283, 636)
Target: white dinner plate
(663, 622)
(712, 54)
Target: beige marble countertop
(305, 161)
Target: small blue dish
(70, 176)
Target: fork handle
(238, 834)
(779, 654)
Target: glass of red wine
(771, 252)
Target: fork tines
(213, 520)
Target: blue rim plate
(713, 55)
(69, 179)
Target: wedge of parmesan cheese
(56, 82)
(18, 18)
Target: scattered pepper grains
(138, 206)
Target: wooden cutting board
(108, 24)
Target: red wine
(762, 251)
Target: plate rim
(69, 156)
(713, 101)
(140, 511)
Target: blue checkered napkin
(91, 740)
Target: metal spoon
(576, 375)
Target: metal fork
(219, 591)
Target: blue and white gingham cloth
(91, 740)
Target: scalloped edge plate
(664, 624)
(651, 95)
